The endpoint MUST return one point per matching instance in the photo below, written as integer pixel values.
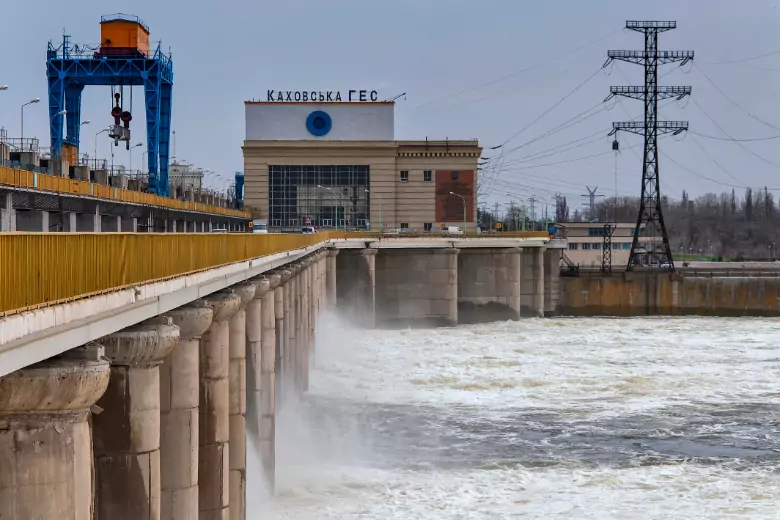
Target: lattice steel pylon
(650, 221)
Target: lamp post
(36, 100)
(95, 149)
(131, 155)
(3, 87)
(464, 209)
(380, 210)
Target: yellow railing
(439, 234)
(41, 181)
(38, 269)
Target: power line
(745, 140)
(732, 101)
(738, 143)
(743, 60)
(553, 107)
(517, 73)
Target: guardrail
(20, 178)
(40, 269)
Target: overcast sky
(470, 70)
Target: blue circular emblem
(319, 123)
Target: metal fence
(30, 179)
(40, 269)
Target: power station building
(336, 164)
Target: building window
(427, 175)
(573, 247)
(615, 245)
(428, 225)
(404, 225)
(361, 222)
(276, 222)
(318, 193)
(404, 175)
(327, 222)
(597, 246)
(293, 221)
(585, 246)
(626, 245)
(595, 232)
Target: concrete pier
(532, 283)
(417, 287)
(179, 382)
(553, 303)
(330, 277)
(45, 438)
(281, 300)
(237, 408)
(292, 301)
(214, 429)
(127, 431)
(265, 385)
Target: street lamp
(380, 209)
(36, 100)
(131, 155)
(97, 134)
(464, 209)
(3, 87)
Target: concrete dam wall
(446, 286)
(635, 294)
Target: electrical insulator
(616, 145)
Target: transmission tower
(591, 204)
(650, 222)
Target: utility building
(336, 164)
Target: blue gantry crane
(123, 59)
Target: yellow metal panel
(38, 269)
(26, 179)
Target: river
(557, 418)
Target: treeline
(727, 225)
(724, 225)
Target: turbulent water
(559, 418)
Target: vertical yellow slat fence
(38, 269)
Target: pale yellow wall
(410, 202)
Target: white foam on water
(582, 369)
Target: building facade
(337, 165)
(586, 242)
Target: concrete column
(281, 299)
(45, 226)
(9, 214)
(135, 224)
(118, 224)
(214, 416)
(292, 352)
(331, 277)
(265, 380)
(127, 431)
(306, 323)
(532, 282)
(552, 279)
(368, 309)
(539, 282)
(97, 223)
(211, 226)
(45, 438)
(179, 381)
(173, 226)
(237, 393)
(72, 222)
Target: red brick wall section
(449, 208)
